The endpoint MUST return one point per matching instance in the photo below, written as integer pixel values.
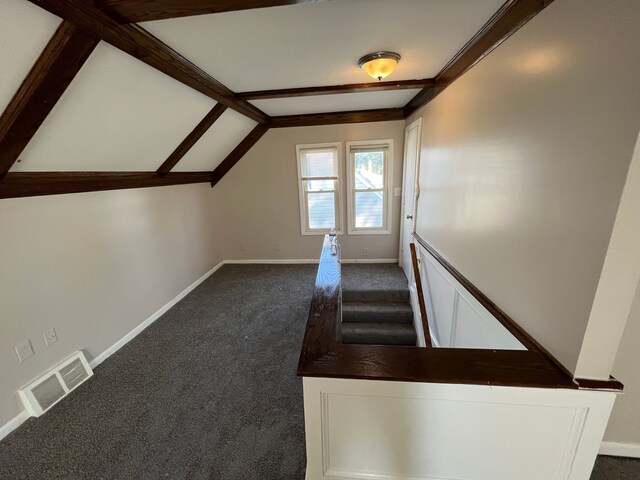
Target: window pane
(320, 185)
(319, 164)
(369, 209)
(321, 208)
(369, 168)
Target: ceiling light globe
(379, 64)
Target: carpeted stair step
(386, 295)
(377, 312)
(379, 333)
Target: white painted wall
(94, 266)
(524, 159)
(258, 199)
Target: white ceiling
(218, 142)
(320, 43)
(335, 103)
(117, 114)
(24, 32)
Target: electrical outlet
(277, 246)
(50, 337)
(365, 252)
(24, 351)
(397, 191)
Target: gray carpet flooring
(376, 277)
(616, 468)
(208, 391)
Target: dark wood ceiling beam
(337, 89)
(145, 10)
(140, 44)
(335, 118)
(422, 98)
(49, 77)
(238, 152)
(204, 125)
(57, 183)
(506, 21)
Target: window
(369, 177)
(319, 186)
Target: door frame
(417, 123)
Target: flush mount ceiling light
(379, 64)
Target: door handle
(409, 217)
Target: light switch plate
(397, 191)
(24, 351)
(50, 337)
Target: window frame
(302, 203)
(387, 189)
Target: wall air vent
(55, 384)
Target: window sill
(319, 232)
(369, 232)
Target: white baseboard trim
(369, 260)
(278, 261)
(10, 426)
(133, 333)
(617, 449)
(14, 423)
(272, 261)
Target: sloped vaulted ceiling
(118, 114)
(92, 101)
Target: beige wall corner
(624, 424)
(618, 283)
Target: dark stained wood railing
(324, 324)
(420, 293)
(324, 355)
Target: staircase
(377, 317)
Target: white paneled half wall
(118, 114)
(379, 430)
(456, 318)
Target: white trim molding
(387, 190)
(618, 449)
(302, 261)
(14, 423)
(416, 124)
(302, 194)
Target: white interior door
(409, 191)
